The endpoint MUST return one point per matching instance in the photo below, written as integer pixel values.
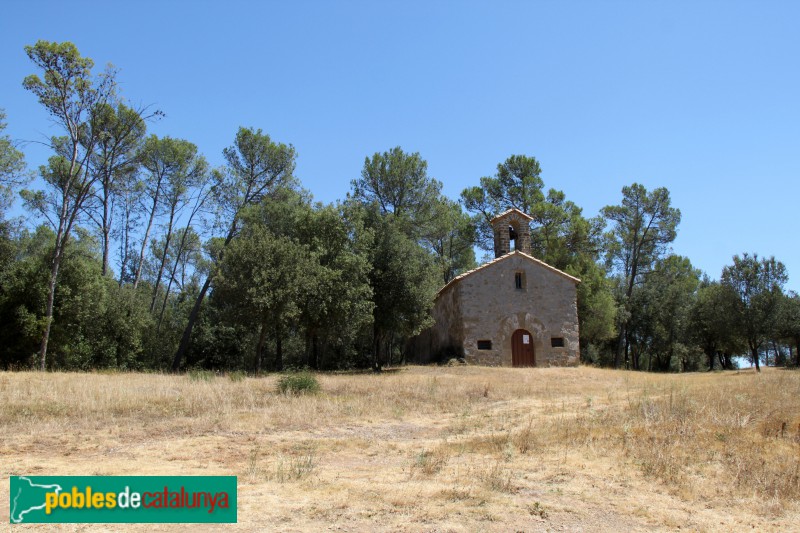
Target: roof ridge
(511, 210)
(501, 258)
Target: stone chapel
(512, 311)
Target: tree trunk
(620, 346)
(138, 274)
(754, 353)
(125, 243)
(106, 227)
(260, 348)
(797, 356)
(167, 240)
(627, 351)
(187, 332)
(669, 359)
(173, 271)
(58, 251)
(51, 294)
(376, 344)
(278, 352)
(106, 245)
(313, 361)
(779, 358)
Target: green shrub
(298, 383)
(237, 375)
(200, 375)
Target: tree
(758, 288)
(177, 170)
(403, 281)
(517, 184)
(597, 310)
(296, 274)
(129, 196)
(560, 235)
(71, 95)
(185, 251)
(261, 277)
(12, 167)
(643, 226)
(173, 167)
(339, 305)
(659, 321)
(451, 237)
(399, 184)
(23, 295)
(256, 167)
(711, 323)
(789, 322)
(120, 134)
(95, 323)
(400, 209)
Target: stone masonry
(477, 313)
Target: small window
(519, 280)
(557, 342)
(484, 345)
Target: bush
(200, 375)
(236, 376)
(298, 383)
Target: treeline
(148, 258)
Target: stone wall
(492, 309)
(445, 339)
(448, 337)
(502, 235)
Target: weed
(537, 509)
(497, 477)
(298, 383)
(295, 468)
(525, 440)
(237, 376)
(430, 462)
(201, 375)
(253, 470)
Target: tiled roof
(513, 209)
(502, 258)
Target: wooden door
(522, 349)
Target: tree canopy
(142, 256)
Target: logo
(122, 499)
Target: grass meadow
(431, 448)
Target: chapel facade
(512, 311)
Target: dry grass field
(432, 449)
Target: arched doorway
(522, 349)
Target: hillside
(432, 449)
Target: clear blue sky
(700, 97)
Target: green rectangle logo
(122, 499)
